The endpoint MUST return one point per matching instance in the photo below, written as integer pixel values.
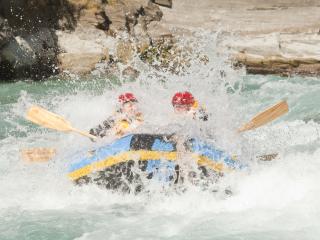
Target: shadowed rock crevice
(28, 42)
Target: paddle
(266, 116)
(38, 154)
(263, 118)
(267, 157)
(51, 120)
(47, 119)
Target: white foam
(286, 188)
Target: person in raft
(125, 119)
(185, 104)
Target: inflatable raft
(139, 157)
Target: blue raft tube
(150, 156)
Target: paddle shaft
(83, 133)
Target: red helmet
(183, 98)
(127, 97)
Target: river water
(279, 199)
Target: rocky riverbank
(41, 37)
(267, 37)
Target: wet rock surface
(281, 53)
(41, 37)
(266, 37)
(5, 31)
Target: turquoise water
(274, 200)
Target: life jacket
(124, 124)
(118, 123)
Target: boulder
(152, 12)
(5, 32)
(26, 15)
(305, 45)
(28, 44)
(124, 15)
(78, 63)
(32, 54)
(82, 49)
(117, 16)
(277, 53)
(260, 45)
(279, 65)
(40, 36)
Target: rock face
(29, 55)
(283, 54)
(5, 32)
(28, 45)
(116, 27)
(82, 49)
(266, 37)
(125, 15)
(42, 37)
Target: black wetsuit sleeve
(101, 129)
(203, 115)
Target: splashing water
(274, 200)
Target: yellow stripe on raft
(204, 161)
(141, 155)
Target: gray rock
(26, 15)
(41, 37)
(28, 44)
(117, 16)
(82, 63)
(82, 49)
(5, 32)
(152, 12)
(276, 53)
(33, 54)
(268, 37)
(18, 53)
(124, 15)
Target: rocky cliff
(39, 38)
(266, 37)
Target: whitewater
(278, 199)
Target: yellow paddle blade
(38, 154)
(51, 120)
(267, 157)
(266, 116)
(48, 119)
